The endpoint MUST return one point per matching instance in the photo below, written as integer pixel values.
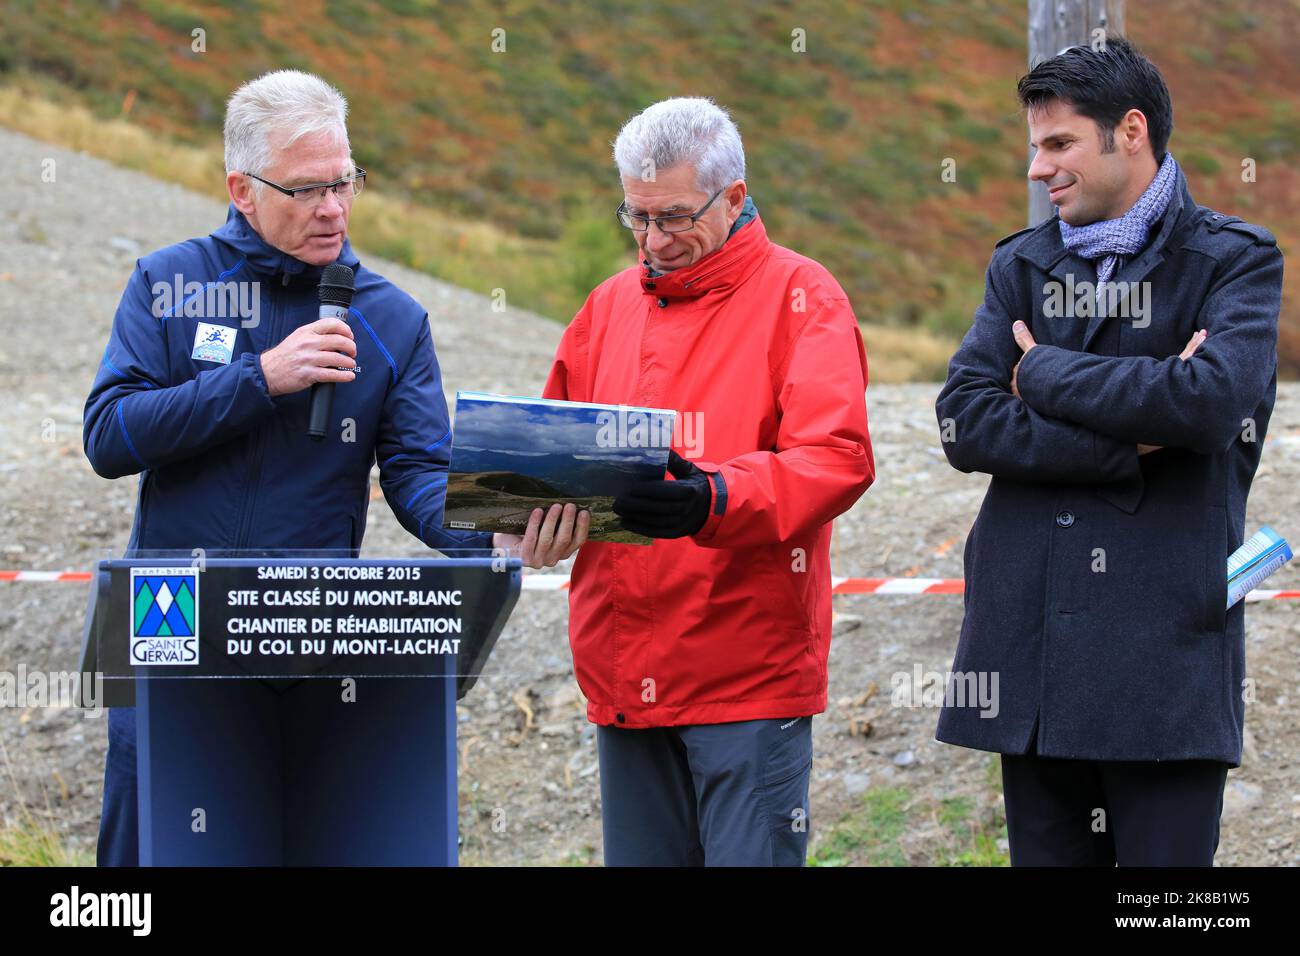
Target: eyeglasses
(345, 189)
(682, 223)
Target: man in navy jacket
(204, 388)
(1117, 385)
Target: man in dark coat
(1117, 385)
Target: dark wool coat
(1095, 577)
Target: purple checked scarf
(1109, 239)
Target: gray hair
(691, 130)
(291, 102)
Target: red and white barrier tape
(560, 582)
(32, 576)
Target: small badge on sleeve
(214, 343)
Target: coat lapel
(1046, 250)
(1137, 269)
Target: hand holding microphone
(310, 354)
(319, 354)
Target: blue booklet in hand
(510, 455)
(1262, 554)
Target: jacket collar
(744, 250)
(1045, 249)
(265, 258)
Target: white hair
(691, 130)
(288, 102)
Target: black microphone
(335, 294)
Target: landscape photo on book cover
(510, 456)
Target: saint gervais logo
(164, 616)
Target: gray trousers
(707, 794)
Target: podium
(296, 711)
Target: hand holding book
(551, 536)
(667, 509)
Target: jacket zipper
(259, 448)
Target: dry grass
(115, 140)
(533, 274)
(26, 842)
(473, 255)
(906, 355)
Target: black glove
(667, 509)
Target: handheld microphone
(335, 294)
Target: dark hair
(1103, 85)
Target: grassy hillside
(508, 152)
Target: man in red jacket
(703, 657)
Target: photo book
(510, 455)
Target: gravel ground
(527, 751)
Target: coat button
(620, 718)
(1065, 518)
(650, 285)
(663, 303)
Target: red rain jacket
(759, 346)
